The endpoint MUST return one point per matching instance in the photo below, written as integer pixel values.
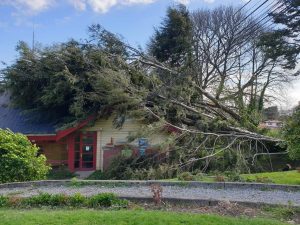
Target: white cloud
(29, 6)
(103, 6)
(78, 4)
(184, 2)
(128, 2)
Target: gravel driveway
(196, 193)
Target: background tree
(284, 41)
(271, 113)
(291, 134)
(171, 42)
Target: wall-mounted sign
(143, 145)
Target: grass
(140, 217)
(288, 177)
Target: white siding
(106, 132)
(119, 136)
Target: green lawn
(136, 217)
(288, 177)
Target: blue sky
(60, 20)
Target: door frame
(81, 144)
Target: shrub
(37, 200)
(3, 201)
(291, 132)
(105, 200)
(19, 160)
(233, 176)
(186, 176)
(77, 200)
(62, 172)
(45, 199)
(60, 200)
(97, 175)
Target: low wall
(187, 184)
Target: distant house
(271, 124)
(90, 145)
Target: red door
(85, 150)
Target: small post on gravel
(156, 190)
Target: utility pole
(33, 37)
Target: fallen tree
(214, 114)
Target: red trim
(71, 152)
(63, 133)
(37, 138)
(60, 134)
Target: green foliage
(282, 212)
(233, 176)
(102, 200)
(73, 80)
(3, 201)
(45, 199)
(291, 134)
(77, 200)
(106, 200)
(284, 41)
(19, 159)
(186, 176)
(97, 175)
(60, 173)
(139, 168)
(171, 43)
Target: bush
(291, 132)
(77, 200)
(19, 160)
(105, 200)
(3, 201)
(186, 176)
(38, 200)
(62, 172)
(97, 175)
(234, 176)
(102, 200)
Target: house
(271, 124)
(89, 145)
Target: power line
(261, 26)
